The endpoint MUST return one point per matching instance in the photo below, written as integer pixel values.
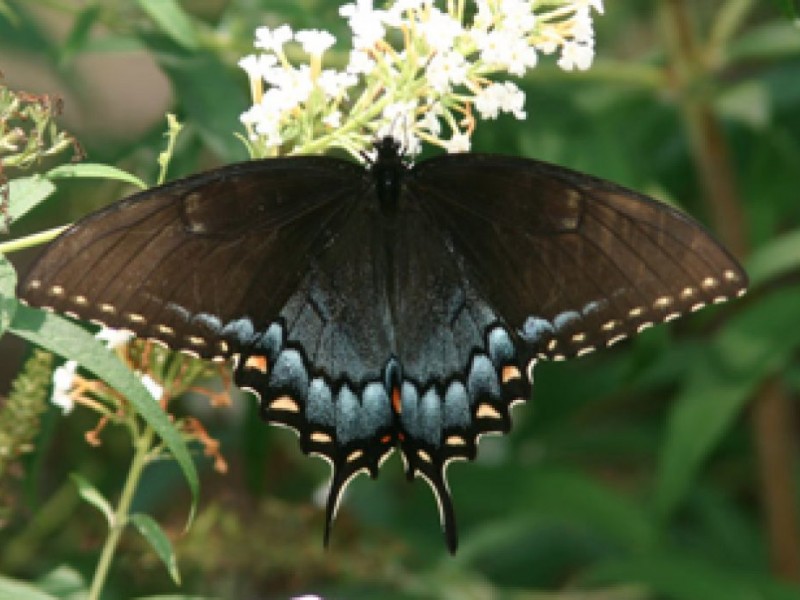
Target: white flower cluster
(435, 80)
(65, 377)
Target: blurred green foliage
(631, 475)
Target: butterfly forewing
(573, 263)
(180, 262)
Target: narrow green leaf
(94, 171)
(8, 285)
(78, 36)
(766, 42)
(153, 533)
(173, 21)
(110, 43)
(754, 345)
(61, 336)
(26, 193)
(93, 496)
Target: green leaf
(6, 11)
(777, 257)
(21, 590)
(754, 345)
(153, 533)
(767, 42)
(61, 336)
(176, 597)
(94, 171)
(79, 35)
(8, 285)
(93, 496)
(790, 8)
(173, 21)
(63, 582)
(681, 577)
(26, 193)
(211, 110)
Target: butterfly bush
(414, 70)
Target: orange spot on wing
(396, 405)
(259, 363)
(510, 372)
(386, 439)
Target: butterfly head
(388, 151)
(387, 170)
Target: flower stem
(142, 447)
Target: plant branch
(771, 410)
(140, 458)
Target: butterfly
(387, 307)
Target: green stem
(140, 458)
(173, 130)
(31, 240)
(726, 24)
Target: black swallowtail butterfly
(389, 307)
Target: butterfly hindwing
(386, 344)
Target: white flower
(520, 57)
(63, 381)
(518, 16)
(440, 31)
(500, 97)
(490, 43)
(549, 40)
(404, 61)
(335, 83)
(264, 118)
(446, 69)
(257, 66)
(399, 119)
(430, 120)
(582, 26)
(576, 56)
(114, 338)
(460, 142)
(333, 120)
(273, 39)
(365, 22)
(156, 389)
(315, 41)
(483, 16)
(360, 62)
(291, 87)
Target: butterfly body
(392, 307)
